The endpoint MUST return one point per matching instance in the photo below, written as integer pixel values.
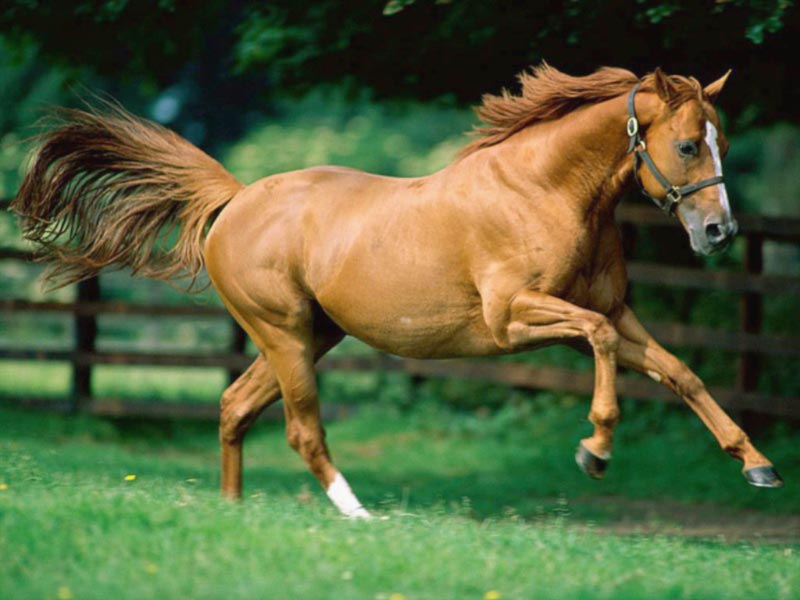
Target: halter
(674, 193)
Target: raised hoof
(592, 465)
(765, 476)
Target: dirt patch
(629, 517)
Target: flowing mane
(549, 94)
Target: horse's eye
(687, 149)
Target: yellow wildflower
(491, 595)
(3, 487)
(397, 596)
(130, 477)
(64, 593)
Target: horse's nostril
(715, 233)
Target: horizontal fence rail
(750, 343)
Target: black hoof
(593, 466)
(766, 477)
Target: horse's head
(686, 142)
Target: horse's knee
(603, 336)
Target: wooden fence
(749, 341)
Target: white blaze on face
(345, 500)
(711, 140)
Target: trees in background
(229, 56)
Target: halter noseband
(674, 193)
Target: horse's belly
(413, 325)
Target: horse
(511, 247)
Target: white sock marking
(343, 498)
(711, 140)
(654, 376)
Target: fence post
(751, 320)
(237, 345)
(85, 339)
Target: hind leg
(292, 359)
(244, 401)
(290, 330)
(291, 335)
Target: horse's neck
(580, 160)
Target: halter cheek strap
(636, 144)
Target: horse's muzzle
(720, 234)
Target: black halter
(674, 194)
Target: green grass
(167, 384)
(472, 503)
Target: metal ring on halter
(633, 126)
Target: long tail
(106, 187)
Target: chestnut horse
(510, 248)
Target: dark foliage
(420, 49)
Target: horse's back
(273, 219)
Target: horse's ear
(712, 90)
(664, 87)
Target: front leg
(639, 351)
(531, 318)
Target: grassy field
(470, 506)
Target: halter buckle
(674, 196)
(633, 126)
